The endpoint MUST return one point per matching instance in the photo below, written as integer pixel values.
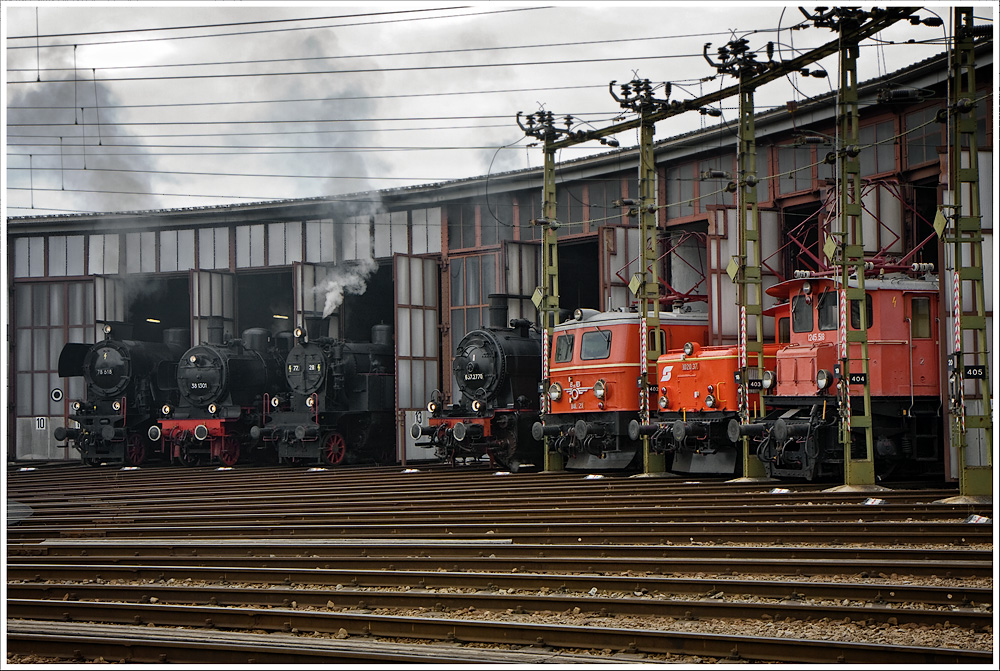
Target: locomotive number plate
(857, 378)
(755, 385)
(975, 372)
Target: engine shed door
(418, 345)
(310, 303)
(110, 301)
(213, 300)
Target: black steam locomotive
(340, 403)
(127, 381)
(225, 389)
(497, 370)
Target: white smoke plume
(351, 278)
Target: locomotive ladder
(970, 408)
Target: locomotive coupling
(784, 430)
(62, 433)
(416, 431)
(539, 430)
(111, 433)
(461, 431)
(735, 430)
(635, 429)
(583, 428)
(684, 430)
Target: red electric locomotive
(698, 397)
(595, 383)
(799, 436)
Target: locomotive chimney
(498, 311)
(215, 327)
(177, 336)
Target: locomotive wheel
(333, 450)
(187, 458)
(135, 450)
(229, 453)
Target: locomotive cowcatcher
(595, 383)
(800, 435)
(126, 383)
(225, 388)
(340, 403)
(496, 371)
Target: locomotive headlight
(107, 328)
(710, 401)
(711, 389)
(555, 391)
(688, 348)
(768, 379)
(166, 409)
(298, 332)
(477, 406)
(275, 401)
(310, 402)
(117, 405)
(193, 359)
(432, 407)
(213, 408)
(578, 314)
(663, 400)
(77, 405)
(600, 388)
(824, 379)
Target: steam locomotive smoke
(351, 279)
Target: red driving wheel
(135, 450)
(334, 449)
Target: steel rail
(956, 596)
(712, 606)
(492, 631)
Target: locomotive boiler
(340, 403)
(127, 381)
(225, 389)
(595, 383)
(496, 371)
(807, 395)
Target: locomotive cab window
(856, 313)
(595, 345)
(783, 333)
(826, 311)
(564, 348)
(652, 340)
(920, 316)
(802, 314)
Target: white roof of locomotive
(594, 318)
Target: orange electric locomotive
(595, 386)
(799, 435)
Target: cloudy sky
(125, 106)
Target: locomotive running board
(611, 460)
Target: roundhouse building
(430, 256)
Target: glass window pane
(24, 394)
(457, 326)
(275, 244)
(57, 255)
(20, 257)
(564, 348)
(856, 313)
(472, 296)
(457, 281)
(56, 342)
(185, 250)
(57, 304)
(221, 248)
(473, 318)
(22, 350)
(168, 250)
(826, 308)
(22, 304)
(74, 255)
(40, 305)
(242, 246)
(132, 252)
(802, 315)
(36, 257)
(40, 345)
(112, 249)
(489, 275)
(595, 345)
(921, 317)
(40, 394)
(293, 242)
(149, 252)
(76, 302)
(257, 245)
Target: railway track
(528, 568)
